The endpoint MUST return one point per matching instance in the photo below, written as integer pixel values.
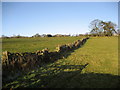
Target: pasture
(34, 44)
(94, 65)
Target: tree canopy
(102, 28)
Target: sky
(29, 18)
(119, 14)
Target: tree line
(97, 28)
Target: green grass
(101, 54)
(34, 44)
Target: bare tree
(99, 27)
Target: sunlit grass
(101, 54)
(34, 44)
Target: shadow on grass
(65, 76)
(47, 60)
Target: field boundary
(17, 62)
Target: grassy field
(94, 65)
(34, 44)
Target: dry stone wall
(12, 62)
